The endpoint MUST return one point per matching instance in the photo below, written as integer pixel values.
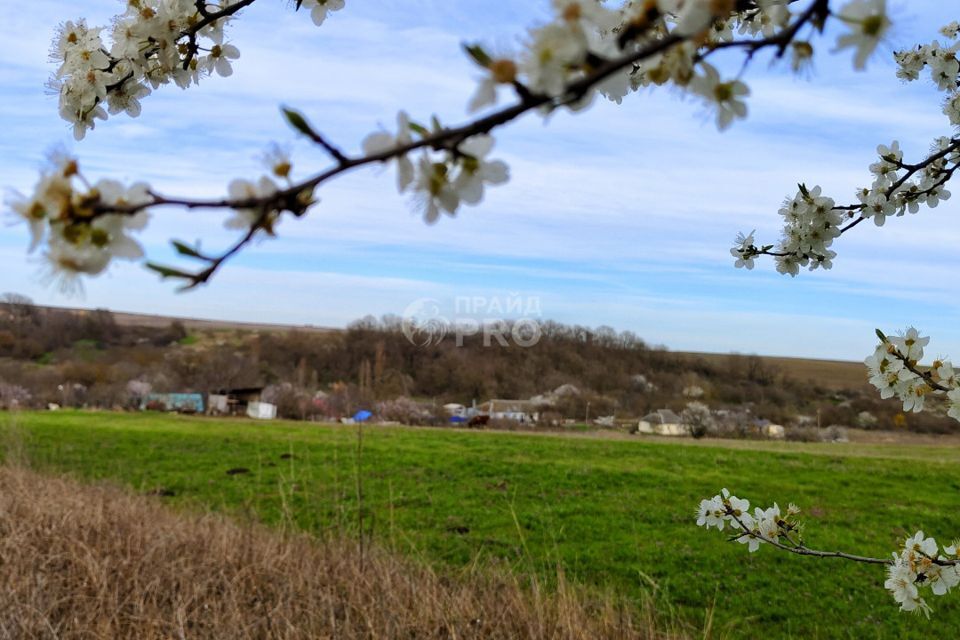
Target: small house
(775, 432)
(662, 422)
(518, 410)
(234, 402)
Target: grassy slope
(830, 374)
(612, 513)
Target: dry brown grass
(80, 561)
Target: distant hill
(834, 375)
(129, 319)
(98, 358)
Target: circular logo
(423, 325)
(526, 332)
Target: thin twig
(802, 550)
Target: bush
(802, 434)
(13, 396)
(697, 419)
(402, 410)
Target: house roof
(518, 406)
(241, 391)
(662, 416)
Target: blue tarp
(458, 419)
(362, 416)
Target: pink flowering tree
(588, 50)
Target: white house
(519, 410)
(662, 422)
(775, 431)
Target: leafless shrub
(402, 410)
(802, 434)
(13, 396)
(696, 417)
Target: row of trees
(88, 359)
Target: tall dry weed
(80, 561)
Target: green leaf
(296, 120)
(880, 335)
(419, 129)
(476, 52)
(168, 272)
(186, 250)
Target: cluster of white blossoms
(763, 526)
(585, 34)
(893, 370)
(812, 221)
(440, 181)
(921, 565)
(152, 43)
(65, 212)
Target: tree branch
(448, 139)
(800, 549)
(912, 169)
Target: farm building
(662, 422)
(234, 402)
(180, 402)
(519, 410)
(775, 431)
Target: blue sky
(620, 216)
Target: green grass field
(612, 513)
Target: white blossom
(321, 9)
(742, 250)
(434, 191)
(954, 397)
(219, 59)
(910, 344)
(722, 96)
(239, 190)
(475, 170)
(381, 141)
(868, 23)
(500, 71)
(552, 52)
